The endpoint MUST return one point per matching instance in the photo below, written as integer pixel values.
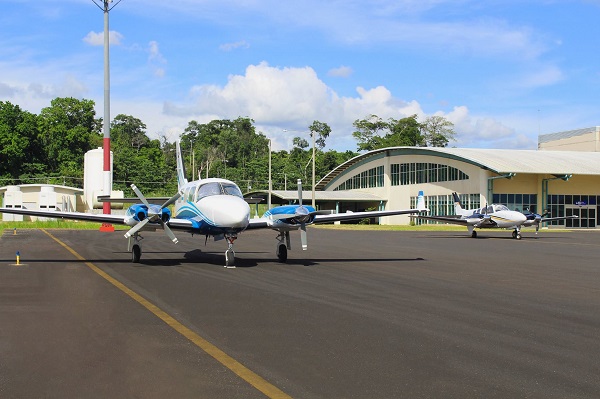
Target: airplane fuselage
(214, 206)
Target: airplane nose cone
(226, 211)
(521, 218)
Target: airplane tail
(421, 202)
(181, 179)
(458, 209)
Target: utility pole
(313, 168)
(270, 182)
(107, 175)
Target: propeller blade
(140, 195)
(169, 232)
(171, 200)
(303, 238)
(300, 192)
(136, 228)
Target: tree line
(49, 147)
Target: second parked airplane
(492, 216)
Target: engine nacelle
(140, 212)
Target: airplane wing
(173, 223)
(336, 217)
(538, 220)
(559, 218)
(328, 217)
(447, 219)
(100, 218)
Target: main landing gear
(282, 247)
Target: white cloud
(341, 72)
(484, 131)
(97, 39)
(233, 46)
(292, 98)
(156, 59)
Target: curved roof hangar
(497, 161)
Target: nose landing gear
(230, 253)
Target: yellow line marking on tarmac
(242, 371)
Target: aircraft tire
(136, 253)
(474, 234)
(282, 253)
(229, 258)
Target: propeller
(155, 214)
(302, 210)
(301, 215)
(535, 217)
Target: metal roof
(497, 161)
(545, 138)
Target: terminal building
(562, 177)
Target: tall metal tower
(105, 6)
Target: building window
(420, 172)
(517, 202)
(373, 177)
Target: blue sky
(502, 71)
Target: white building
(563, 182)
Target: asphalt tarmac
(361, 314)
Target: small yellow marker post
(15, 232)
(18, 258)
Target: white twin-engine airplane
(215, 208)
(492, 216)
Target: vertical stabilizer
(421, 202)
(458, 209)
(181, 179)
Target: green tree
(403, 132)
(19, 149)
(373, 133)
(368, 132)
(437, 131)
(67, 130)
(128, 131)
(139, 160)
(322, 131)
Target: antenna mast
(105, 6)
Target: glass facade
(373, 177)
(517, 202)
(584, 206)
(423, 172)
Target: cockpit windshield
(500, 208)
(218, 188)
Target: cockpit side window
(231, 189)
(207, 190)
